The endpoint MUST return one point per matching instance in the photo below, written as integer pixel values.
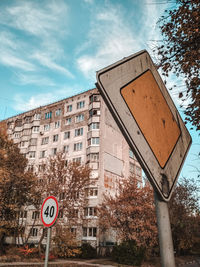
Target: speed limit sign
(49, 211)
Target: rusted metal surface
(152, 114)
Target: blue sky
(51, 49)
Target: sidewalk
(95, 263)
(58, 263)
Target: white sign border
(115, 77)
(56, 202)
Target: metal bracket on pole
(165, 234)
(47, 247)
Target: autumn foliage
(180, 53)
(65, 245)
(131, 213)
(184, 212)
(17, 187)
(67, 182)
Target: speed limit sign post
(49, 214)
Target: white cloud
(46, 61)
(24, 103)
(35, 19)
(115, 36)
(113, 39)
(89, 1)
(40, 30)
(15, 62)
(39, 80)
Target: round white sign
(49, 211)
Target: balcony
(94, 119)
(94, 133)
(93, 165)
(92, 149)
(95, 105)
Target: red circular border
(48, 225)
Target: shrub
(88, 251)
(65, 243)
(128, 253)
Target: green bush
(128, 253)
(88, 251)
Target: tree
(131, 213)
(67, 182)
(17, 188)
(185, 216)
(180, 52)
(65, 245)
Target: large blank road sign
(144, 111)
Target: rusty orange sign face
(145, 113)
(153, 115)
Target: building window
(30, 168)
(67, 135)
(80, 104)
(66, 149)
(33, 141)
(79, 118)
(93, 141)
(78, 131)
(17, 135)
(93, 157)
(43, 154)
(131, 168)
(73, 231)
(90, 211)
(91, 192)
(35, 215)
(55, 138)
(85, 231)
(77, 160)
(58, 112)
(37, 116)
(22, 144)
(68, 121)
(32, 154)
(48, 115)
(89, 231)
(94, 126)
(46, 127)
(131, 155)
(36, 129)
(26, 132)
(45, 141)
(57, 124)
(27, 119)
(69, 108)
(94, 98)
(18, 123)
(54, 151)
(78, 146)
(42, 167)
(34, 231)
(138, 171)
(23, 214)
(94, 112)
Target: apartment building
(82, 127)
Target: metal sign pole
(47, 247)
(165, 234)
